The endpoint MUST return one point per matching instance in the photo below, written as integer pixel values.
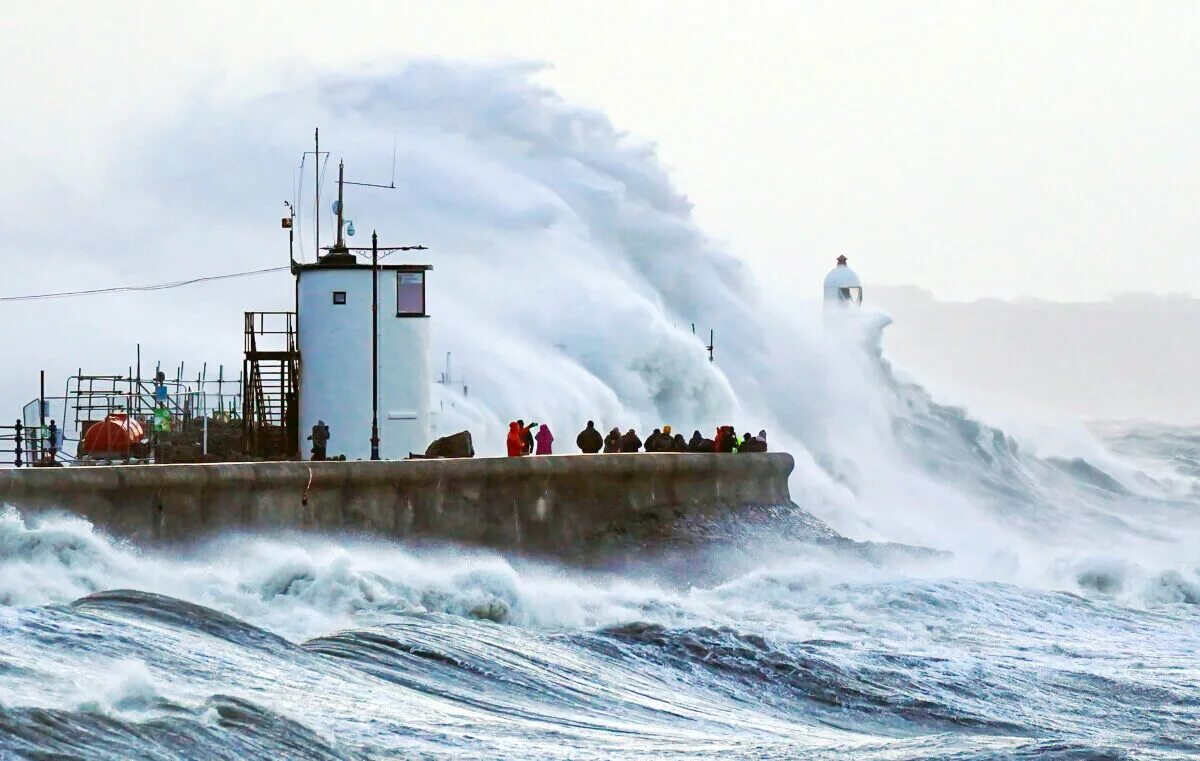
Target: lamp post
(374, 345)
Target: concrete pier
(561, 506)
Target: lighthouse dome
(842, 286)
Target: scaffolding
(173, 410)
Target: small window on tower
(339, 297)
(410, 294)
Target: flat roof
(342, 264)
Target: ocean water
(307, 647)
(1054, 611)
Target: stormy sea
(324, 648)
(941, 588)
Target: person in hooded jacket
(515, 443)
(319, 438)
(663, 442)
(630, 442)
(589, 439)
(699, 443)
(612, 442)
(726, 440)
(545, 440)
(652, 441)
(679, 444)
(754, 443)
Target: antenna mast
(340, 245)
(316, 154)
(317, 186)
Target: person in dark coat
(589, 439)
(630, 442)
(652, 441)
(612, 442)
(320, 438)
(52, 440)
(678, 444)
(697, 444)
(526, 436)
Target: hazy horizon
(1103, 360)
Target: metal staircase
(271, 373)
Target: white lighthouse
(334, 334)
(363, 336)
(842, 287)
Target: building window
(410, 294)
(339, 297)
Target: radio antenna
(318, 168)
(391, 185)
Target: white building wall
(335, 356)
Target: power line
(128, 288)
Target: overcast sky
(972, 148)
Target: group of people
(522, 441)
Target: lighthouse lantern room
(842, 286)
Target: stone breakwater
(574, 506)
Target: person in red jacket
(726, 440)
(516, 443)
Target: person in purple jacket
(545, 440)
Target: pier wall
(581, 505)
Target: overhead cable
(130, 288)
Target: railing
(11, 444)
(278, 328)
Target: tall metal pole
(341, 171)
(317, 185)
(374, 342)
(291, 232)
(42, 416)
